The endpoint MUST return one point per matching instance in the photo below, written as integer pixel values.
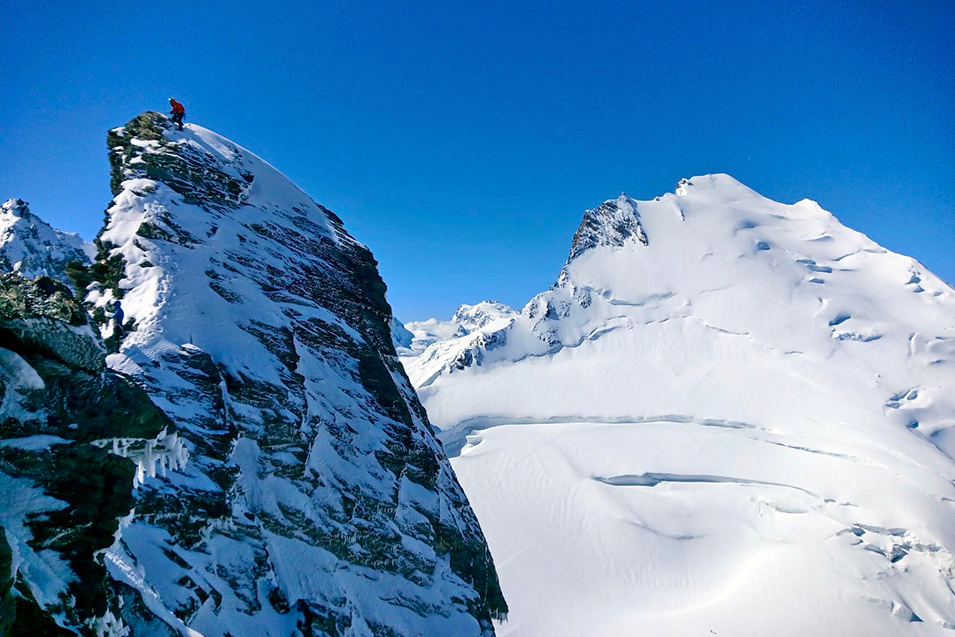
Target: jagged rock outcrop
(614, 223)
(66, 423)
(316, 500)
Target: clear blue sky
(462, 141)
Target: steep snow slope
(316, 498)
(31, 247)
(728, 416)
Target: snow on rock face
(62, 495)
(30, 247)
(614, 223)
(316, 497)
(752, 409)
(43, 314)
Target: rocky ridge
(317, 498)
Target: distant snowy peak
(466, 320)
(31, 247)
(474, 317)
(615, 223)
(400, 335)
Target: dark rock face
(64, 492)
(614, 223)
(316, 500)
(199, 177)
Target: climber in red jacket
(178, 111)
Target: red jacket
(177, 107)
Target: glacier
(728, 416)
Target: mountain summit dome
(752, 408)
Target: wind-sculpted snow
(316, 499)
(588, 444)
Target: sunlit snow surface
(743, 427)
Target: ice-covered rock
(62, 494)
(43, 315)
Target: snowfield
(729, 416)
(679, 528)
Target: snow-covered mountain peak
(473, 317)
(16, 208)
(467, 319)
(195, 188)
(718, 233)
(31, 247)
(788, 276)
(753, 409)
(721, 184)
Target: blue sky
(462, 141)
